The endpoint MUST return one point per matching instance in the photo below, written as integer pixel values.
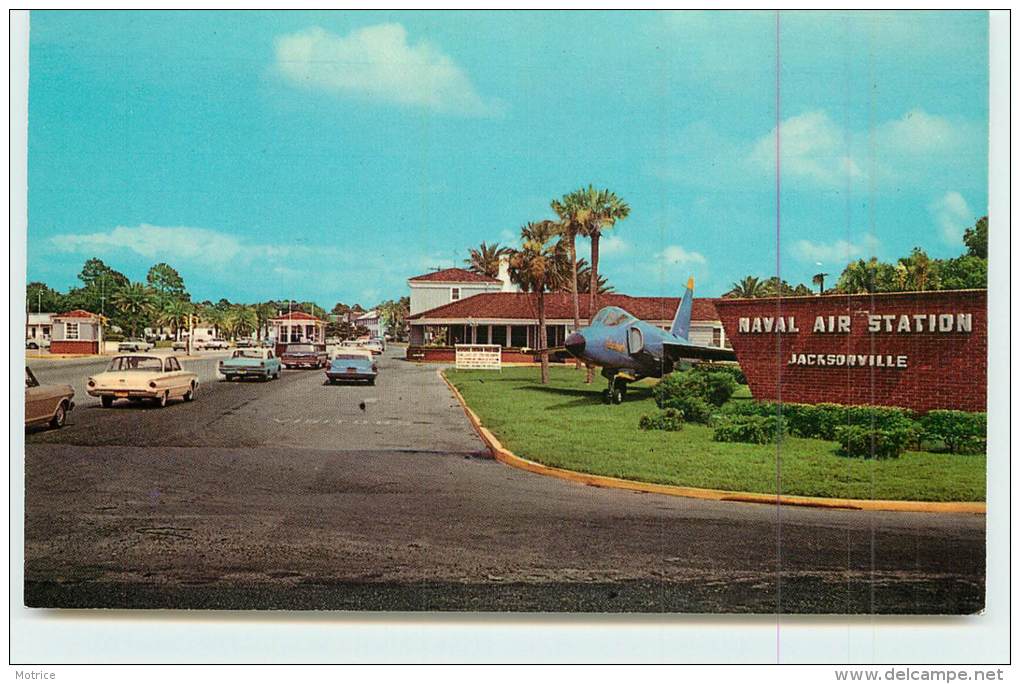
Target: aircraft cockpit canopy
(612, 316)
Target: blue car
(251, 363)
(352, 367)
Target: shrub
(714, 387)
(694, 409)
(732, 370)
(820, 421)
(861, 442)
(670, 420)
(750, 429)
(960, 430)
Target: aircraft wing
(675, 352)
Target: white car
(134, 345)
(136, 377)
(211, 344)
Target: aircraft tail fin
(682, 320)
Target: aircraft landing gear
(616, 392)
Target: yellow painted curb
(503, 455)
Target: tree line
(916, 272)
(162, 301)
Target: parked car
(374, 346)
(251, 363)
(134, 344)
(215, 343)
(46, 404)
(179, 345)
(137, 377)
(244, 342)
(37, 343)
(352, 366)
(304, 355)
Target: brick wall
(74, 347)
(942, 369)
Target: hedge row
(960, 431)
(751, 429)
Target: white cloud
(201, 245)
(675, 255)
(378, 63)
(952, 216)
(811, 147)
(612, 245)
(836, 253)
(918, 131)
(816, 150)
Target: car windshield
(135, 363)
(248, 354)
(300, 348)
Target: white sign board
(479, 356)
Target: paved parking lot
(296, 494)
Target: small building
(431, 290)
(510, 319)
(39, 326)
(371, 321)
(297, 326)
(76, 332)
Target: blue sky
(330, 156)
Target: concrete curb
(505, 456)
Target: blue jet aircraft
(628, 349)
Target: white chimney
(504, 274)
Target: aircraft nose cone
(574, 343)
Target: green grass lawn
(565, 424)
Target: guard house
(76, 332)
(297, 326)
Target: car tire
(59, 416)
(106, 401)
(162, 399)
(372, 381)
(190, 394)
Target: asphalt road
(292, 494)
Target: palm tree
(214, 316)
(584, 279)
(748, 288)
(569, 210)
(539, 266)
(819, 280)
(595, 211)
(484, 259)
(174, 315)
(135, 301)
(264, 312)
(241, 319)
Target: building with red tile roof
(453, 275)
(510, 319)
(297, 326)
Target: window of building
(499, 335)
(454, 294)
(70, 331)
(519, 336)
(716, 337)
